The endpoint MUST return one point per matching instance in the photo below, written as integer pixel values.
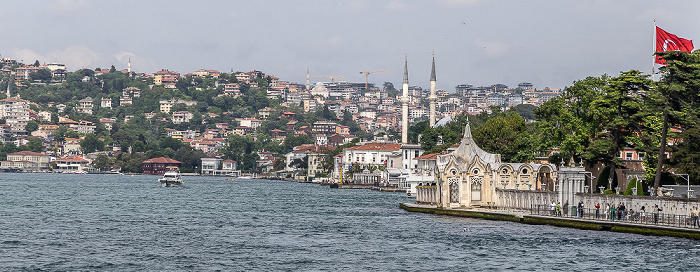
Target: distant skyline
(547, 43)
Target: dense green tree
(31, 126)
(43, 75)
(566, 122)
(388, 87)
(675, 98)
(618, 110)
(502, 135)
(103, 162)
(91, 143)
(35, 144)
(415, 130)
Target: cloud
(459, 3)
(124, 56)
(74, 57)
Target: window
(416, 154)
(629, 155)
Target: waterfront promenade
(664, 225)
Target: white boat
(246, 176)
(170, 178)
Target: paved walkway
(523, 214)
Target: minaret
(129, 67)
(307, 78)
(404, 105)
(433, 96)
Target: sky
(547, 43)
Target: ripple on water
(115, 223)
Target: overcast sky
(548, 43)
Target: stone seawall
(520, 217)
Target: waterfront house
(72, 164)
(158, 166)
(215, 166)
(26, 161)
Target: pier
(661, 225)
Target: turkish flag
(668, 42)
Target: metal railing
(634, 217)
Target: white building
(15, 111)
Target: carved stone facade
(472, 177)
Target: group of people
(556, 209)
(616, 212)
(619, 212)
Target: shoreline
(524, 218)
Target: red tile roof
(161, 160)
(26, 153)
(73, 158)
(377, 146)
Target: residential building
(164, 76)
(73, 164)
(85, 105)
(180, 117)
(167, 105)
(15, 111)
(219, 167)
(106, 103)
(158, 166)
(26, 161)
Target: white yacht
(170, 178)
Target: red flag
(668, 42)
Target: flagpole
(653, 63)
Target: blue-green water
(54, 222)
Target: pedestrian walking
(553, 208)
(597, 211)
(558, 209)
(613, 212)
(657, 210)
(696, 215)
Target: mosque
(468, 176)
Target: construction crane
(366, 73)
(331, 77)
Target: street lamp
(687, 179)
(590, 175)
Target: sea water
(63, 222)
